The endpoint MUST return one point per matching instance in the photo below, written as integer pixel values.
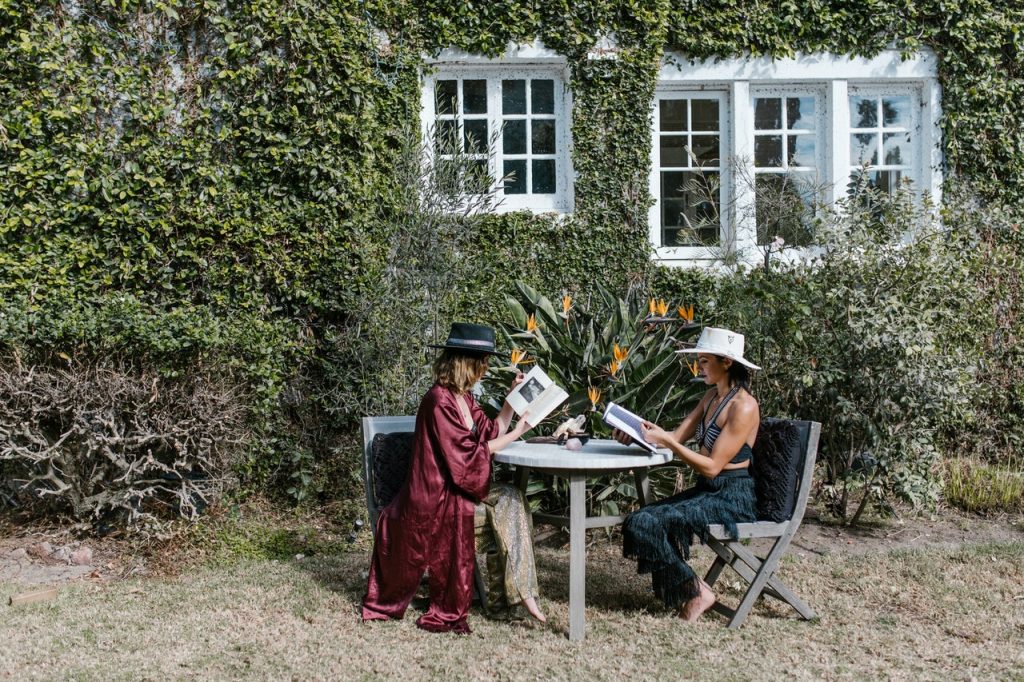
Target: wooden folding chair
(404, 424)
(757, 571)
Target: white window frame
(527, 62)
(725, 181)
(822, 126)
(877, 90)
(834, 77)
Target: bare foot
(531, 607)
(693, 609)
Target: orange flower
(594, 395)
(531, 323)
(651, 306)
(519, 357)
(620, 353)
(694, 368)
(566, 303)
(685, 312)
(613, 368)
(661, 307)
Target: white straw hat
(722, 342)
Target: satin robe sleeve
(466, 454)
(485, 426)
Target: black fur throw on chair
(777, 455)
(392, 453)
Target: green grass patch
(244, 533)
(985, 488)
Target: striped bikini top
(708, 431)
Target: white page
(627, 422)
(538, 395)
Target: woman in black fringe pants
(724, 425)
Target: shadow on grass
(612, 583)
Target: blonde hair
(459, 371)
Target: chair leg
(752, 568)
(716, 569)
(745, 566)
(775, 587)
(757, 585)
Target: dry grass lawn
(939, 613)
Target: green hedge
(212, 179)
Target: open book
(538, 394)
(627, 422)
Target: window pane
(800, 113)
(863, 149)
(896, 112)
(705, 148)
(446, 139)
(704, 113)
(689, 208)
(801, 150)
(513, 97)
(517, 183)
(896, 149)
(673, 114)
(542, 137)
(542, 96)
(475, 95)
(673, 151)
(446, 94)
(887, 181)
(863, 112)
(673, 185)
(784, 204)
(513, 137)
(544, 176)
(475, 136)
(768, 151)
(478, 180)
(767, 113)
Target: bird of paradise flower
(519, 357)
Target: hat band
(468, 342)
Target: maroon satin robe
(429, 525)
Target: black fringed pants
(659, 535)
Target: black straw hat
(470, 338)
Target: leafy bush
(609, 350)
(110, 441)
(859, 338)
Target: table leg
(643, 486)
(577, 555)
(522, 478)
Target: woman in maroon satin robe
(429, 525)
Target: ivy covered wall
(211, 183)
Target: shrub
(606, 350)
(858, 339)
(108, 440)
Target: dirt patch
(944, 529)
(47, 554)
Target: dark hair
(739, 375)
